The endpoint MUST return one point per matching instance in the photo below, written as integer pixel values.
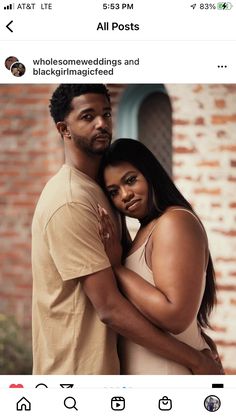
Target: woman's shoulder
(175, 213)
(179, 220)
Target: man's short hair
(60, 103)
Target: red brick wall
(30, 154)
(204, 140)
(204, 145)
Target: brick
(209, 163)
(181, 122)
(184, 150)
(230, 148)
(198, 88)
(215, 205)
(208, 191)
(221, 134)
(217, 328)
(199, 121)
(230, 371)
(223, 119)
(227, 287)
(226, 343)
(180, 136)
(220, 103)
(230, 233)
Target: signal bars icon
(9, 6)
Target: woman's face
(128, 189)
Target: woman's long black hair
(163, 194)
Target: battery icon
(224, 6)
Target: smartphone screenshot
(117, 209)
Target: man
(9, 61)
(77, 307)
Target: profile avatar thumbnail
(13, 64)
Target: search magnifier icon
(70, 403)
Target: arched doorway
(145, 114)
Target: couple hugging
(102, 303)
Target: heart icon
(16, 386)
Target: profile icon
(212, 403)
(17, 69)
(9, 61)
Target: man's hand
(109, 238)
(214, 352)
(208, 365)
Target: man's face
(89, 123)
(9, 61)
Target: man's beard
(88, 147)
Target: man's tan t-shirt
(68, 337)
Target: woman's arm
(178, 260)
(199, 362)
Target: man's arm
(118, 313)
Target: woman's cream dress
(135, 359)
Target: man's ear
(63, 129)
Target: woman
(168, 273)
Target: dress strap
(144, 245)
(151, 231)
(194, 215)
(177, 209)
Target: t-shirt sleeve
(74, 243)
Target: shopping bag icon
(165, 403)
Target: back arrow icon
(8, 26)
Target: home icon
(23, 404)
